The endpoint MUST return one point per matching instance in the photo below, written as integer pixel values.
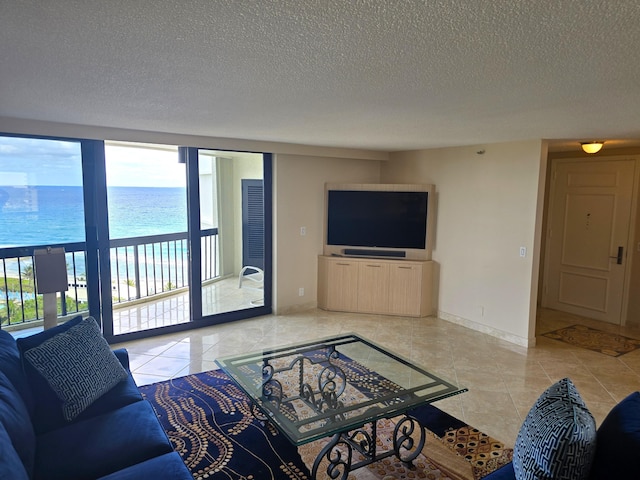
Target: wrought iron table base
(308, 402)
(340, 449)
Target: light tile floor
(504, 380)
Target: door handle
(619, 256)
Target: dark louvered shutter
(252, 223)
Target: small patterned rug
(610, 344)
(209, 421)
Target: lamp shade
(592, 147)
(50, 270)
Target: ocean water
(45, 215)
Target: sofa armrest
(123, 357)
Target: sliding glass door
(232, 248)
(158, 237)
(178, 235)
(147, 205)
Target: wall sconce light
(592, 147)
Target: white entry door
(588, 229)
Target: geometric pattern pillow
(558, 438)
(78, 365)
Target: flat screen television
(379, 220)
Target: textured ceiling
(382, 75)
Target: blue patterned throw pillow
(78, 365)
(557, 440)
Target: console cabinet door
(342, 285)
(373, 287)
(406, 289)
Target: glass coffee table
(339, 387)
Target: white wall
(299, 202)
(488, 206)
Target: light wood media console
(372, 285)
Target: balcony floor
(217, 297)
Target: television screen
(387, 219)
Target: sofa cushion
(11, 466)
(123, 357)
(15, 419)
(101, 445)
(11, 366)
(169, 465)
(78, 365)
(503, 473)
(618, 441)
(47, 410)
(25, 343)
(558, 437)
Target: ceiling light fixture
(592, 147)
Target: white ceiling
(381, 75)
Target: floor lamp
(51, 277)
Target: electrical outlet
(301, 292)
(303, 231)
(523, 251)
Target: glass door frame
(191, 156)
(97, 241)
(94, 180)
(89, 150)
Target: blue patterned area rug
(209, 421)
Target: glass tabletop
(315, 389)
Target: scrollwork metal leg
(409, 437)
(339, 454)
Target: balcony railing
(141, 267)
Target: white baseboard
(494, 332)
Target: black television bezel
(382, 252)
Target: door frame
(631, 245)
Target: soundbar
(375, 253)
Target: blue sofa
(558, 440)
(113, 436)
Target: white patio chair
(253, 280)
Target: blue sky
(28, 161)
(152, 167)
(31, 161)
